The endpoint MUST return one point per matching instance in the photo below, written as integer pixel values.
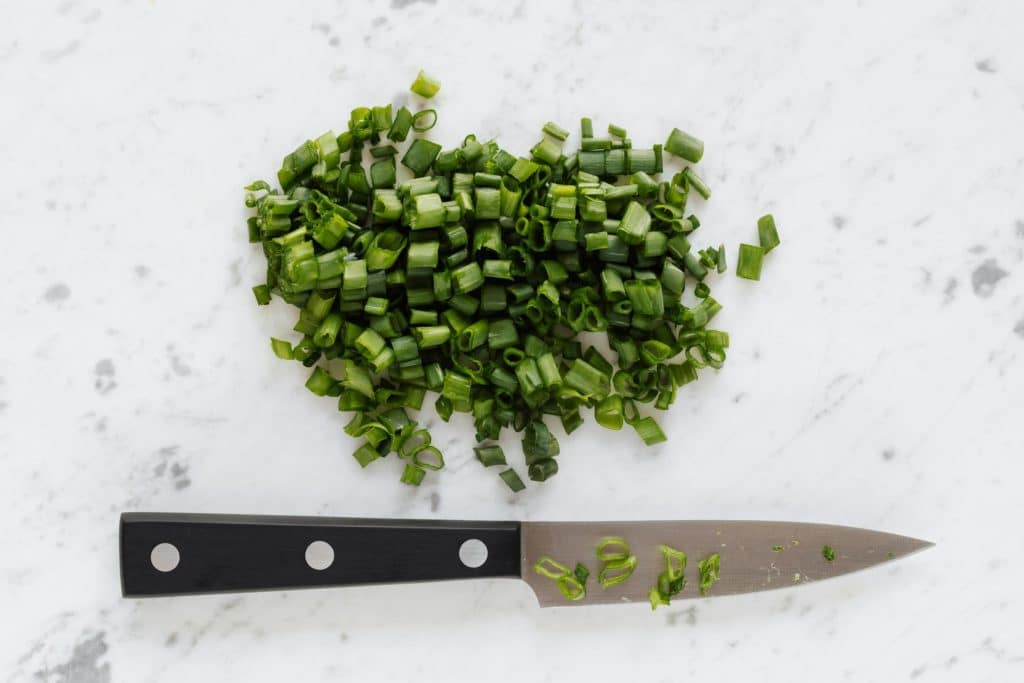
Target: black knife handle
(228, 553)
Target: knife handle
(227, 553)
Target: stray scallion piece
(572, 584)
(617, 562)
(708, 572)
(828, 553)
(490, 455)
(512, 480)
(477, 278)
(672, 580)
(282, 349)
(424, 85)
(262, 294)
(748, 262)
(767, 233)
(684, 145)
(778, 548)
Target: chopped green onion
(634, 224)
(424, 85)
(320, 382)
(282, 349)
(512, 480)
(748, 263)
(568, 582)
(413, 475)
(262, 294)
(586, 128)
(474, 278)
(616, 571)
(828, 553)
(490, 455)
(684, 145)
(649, 431)
(767, 234)
(556, 131)
(422, 121)
(420, 156)
(608, 412)
(708, 572)
(693, 180)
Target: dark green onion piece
(262, 294)
(512, 480)
(490, 455)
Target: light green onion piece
(708, 572)
(424, 85)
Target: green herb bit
(612, 548)
(656, 598)
(568, 583)
(778, 548)
(512, 480)
(672, 581)
(748, 262)
(424, 85)
(490, 455)
(616, 571)
(546, 566)
(828, 553)
(684, 145)
(708, 572)
(767, 234)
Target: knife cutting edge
(164, 554)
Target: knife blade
(164, 554)
(755, 555)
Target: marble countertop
(876, 375)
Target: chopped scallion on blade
(708, 572)
(570, 583)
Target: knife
(164, 554)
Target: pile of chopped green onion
(476, 276)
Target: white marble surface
(876, 376)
